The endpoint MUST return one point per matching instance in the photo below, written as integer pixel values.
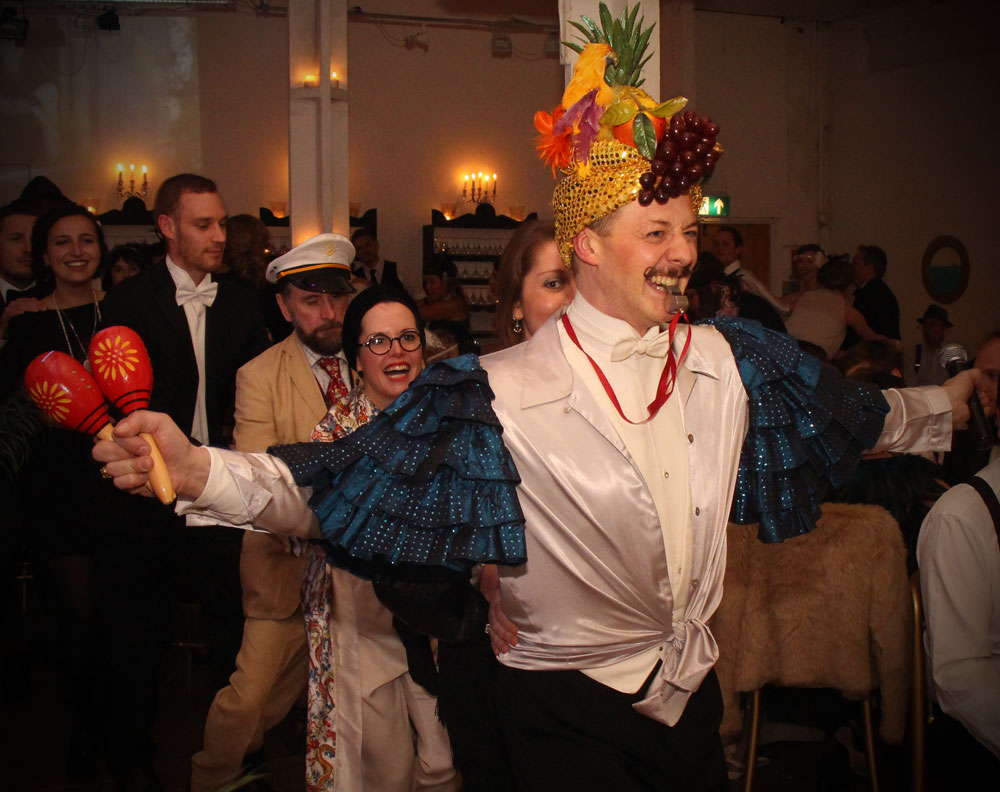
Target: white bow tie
(202, 294)
(657, 346)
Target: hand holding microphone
(955, 360)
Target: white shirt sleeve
(253, 492)
(919, 419)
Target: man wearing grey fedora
(923, 366)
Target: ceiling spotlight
(108, 19)
(502, 45)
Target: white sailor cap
(320, 264)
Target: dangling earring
(518, 327)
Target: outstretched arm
(214, 486)
(127, 460)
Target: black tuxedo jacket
(390, 275)
(31, 291)
(234, 334)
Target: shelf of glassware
(475, 253)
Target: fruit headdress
(613, 141)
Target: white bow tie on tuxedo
(202, 294)
(658, 346)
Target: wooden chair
(829, 609)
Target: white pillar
(317, 118)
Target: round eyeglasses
(380, 343)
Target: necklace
(667, 378)
(63, 322)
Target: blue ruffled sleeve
(806, 431)
(426, 487)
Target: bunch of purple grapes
(686, 153)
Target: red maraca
(67, 394)
(124, 374)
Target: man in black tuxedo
(199, 328)
(17, 281)
(370, 265)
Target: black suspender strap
(990, 497)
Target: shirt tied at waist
(687, 659)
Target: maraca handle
(159, 476)
(106, 432)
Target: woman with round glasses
(388, 712)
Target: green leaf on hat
(619, 113)
(644, 135)
(669, 107)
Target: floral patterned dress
(345, 415)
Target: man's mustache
(668, 272)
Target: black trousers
(564, 731)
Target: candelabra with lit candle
(132, 191)
(476, 188)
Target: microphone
(954, 360)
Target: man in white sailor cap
(280, 397)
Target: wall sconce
(132, 192)
(311, 80)
(476, 188)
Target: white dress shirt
(658, 448)
(194, 311)
(959, 560)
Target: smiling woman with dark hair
(65, 520)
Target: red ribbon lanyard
(668, 377)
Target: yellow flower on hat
(588, 74)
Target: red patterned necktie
(337, 389)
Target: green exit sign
(714, 206)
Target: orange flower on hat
(554, 146)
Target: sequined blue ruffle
(426, 485)
(807, 428)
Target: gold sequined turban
(612, 141)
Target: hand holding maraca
(124, 374)
(127, 461)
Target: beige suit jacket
(277, 401)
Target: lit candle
(145, 181)
(121, 170)
(494, 185)
(131, 178)
(310, 81)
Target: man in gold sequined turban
(627, 430)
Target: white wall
(913, 153)
(419, 120)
